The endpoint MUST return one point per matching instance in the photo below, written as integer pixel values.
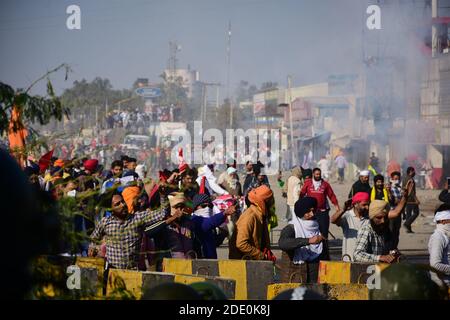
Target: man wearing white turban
(439, 243)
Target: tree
(31, 108)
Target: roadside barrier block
(339, 272)
(124, 283)
(334, 272)
(137, 284)
(329, 291)
(252, 277)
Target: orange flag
(17, 134)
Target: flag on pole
(44, 161)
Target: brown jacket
(246, 239)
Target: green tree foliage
(33, 108)
(84, 94)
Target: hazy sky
(124, 40)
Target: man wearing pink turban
(350, 219)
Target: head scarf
(200, 199)
(364, 173)
(176, 198)
(302, 206)
(296, 171)
(360, 197)
(59, 163)
(442, 215)
(91, 164)
(231, 170)
(129, 194)
(259, 195)
(377, 178)
(376, 207)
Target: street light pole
(293, 147)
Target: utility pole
(293, 146)
(204, 97)
(434, 29)
(229, 73)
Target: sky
(125, 40)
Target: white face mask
(203, 212)
(395, 182)
(445, 228)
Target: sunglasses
(204, 205)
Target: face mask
(203, 212)
(445, 228)
(395, 182)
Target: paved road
(413, 246)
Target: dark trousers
(412, 212)
(323, 218)
(394, 227)
(341, 174)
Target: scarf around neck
(316, 184)
(306, 229)
(444, 228)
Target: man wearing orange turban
(251, 236)
(130, 194)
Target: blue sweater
(204, 230)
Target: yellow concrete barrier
(252, 277)
(339, 272)
(275, 289)
(124, 283)
(334, 272)
(329, 291)
(136, 284)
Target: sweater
(251, 235)
(320, 195)
(438, 247)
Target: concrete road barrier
(252, 277)
(338, 272)
(329, 291)
(136, 284)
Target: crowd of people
(134, 221)
(370, 219)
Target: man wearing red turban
(351, 219)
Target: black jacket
(358, 186)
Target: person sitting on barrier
(373, 240)
(301, 238)
(439, 243)
(251, 237)
(123, 233)
(350, 219)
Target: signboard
(148, 92)
(167, 128)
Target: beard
(378, 228)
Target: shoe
(407, 229)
